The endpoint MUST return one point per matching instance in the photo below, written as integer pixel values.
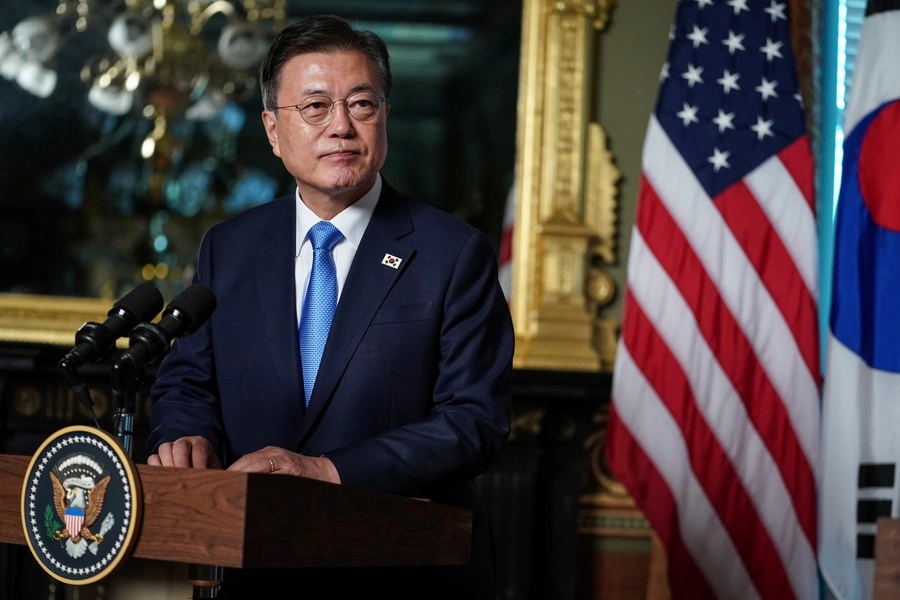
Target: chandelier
(165, 58)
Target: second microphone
(149, 342)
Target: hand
(192, 451)
(278, 460)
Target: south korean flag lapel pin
(391, 261)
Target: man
(410, 394)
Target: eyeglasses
(318, 110)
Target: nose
(341, 123)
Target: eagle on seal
(78, 502)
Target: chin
(347, 181)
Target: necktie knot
(323, 235)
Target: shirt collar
(352, 221)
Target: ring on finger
(271, 466)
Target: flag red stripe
(652, 495)
(709, 462)
(797, 159)
(772, 261)
(733, 351)
(506, 240)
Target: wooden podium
(887, 560)
(241, 520)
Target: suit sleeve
(470, 422)
(185, 393)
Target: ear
(270, 122)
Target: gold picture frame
(53, 320)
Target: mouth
(340, 154)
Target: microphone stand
(125, 380)
(78, 386)
(88, 333)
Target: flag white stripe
(737, 282)
(876, 65)
(724, 412)
(701, 530)
(877, 494)
(790, 215)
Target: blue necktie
(318, 307)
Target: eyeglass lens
(362, 106)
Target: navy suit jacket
(413, 392)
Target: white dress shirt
(352, 222)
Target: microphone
(94, 341)
(184, 315)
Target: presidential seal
(80, 505)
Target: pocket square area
(404, 313)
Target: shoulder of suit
(431, 221)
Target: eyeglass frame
(331, 110)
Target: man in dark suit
(361, 337)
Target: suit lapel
(368, 283)
(276, 292)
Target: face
(338, 160)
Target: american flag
(714, 421)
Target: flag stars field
(771, 49)
(693, 75)
(698, 36)
(776, 11)
(724, 121)
(728, 81)
(738, 6)
(762, 128)
(719, 159)
(767, 89)
(688, 114)
(734, 42)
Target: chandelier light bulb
(6, 47)
(11, 65)
(130, 34)
(33, 77)
(148, 147)
(132, 81)
(111, 100)
(36, 38)
(241, 46)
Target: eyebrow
(363, 87)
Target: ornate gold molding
(566, 185)
(601, 489)
(47, 319)
(605, 508)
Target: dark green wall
(631, 52)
